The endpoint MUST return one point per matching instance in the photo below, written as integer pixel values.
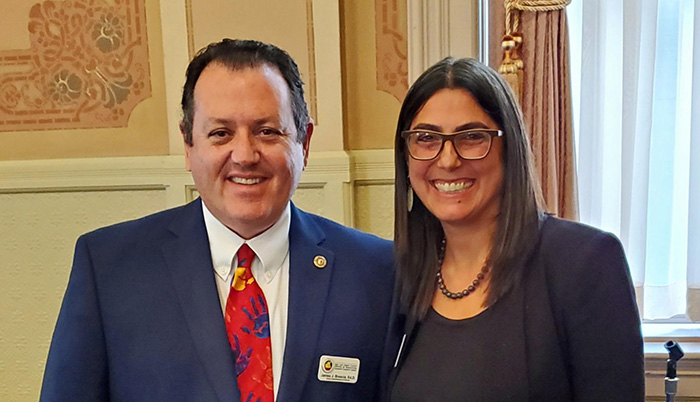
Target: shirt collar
(271, 246)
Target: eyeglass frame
(450, 137)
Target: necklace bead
(466, 292)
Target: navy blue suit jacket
(141, 318)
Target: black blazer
(582, 331)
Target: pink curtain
(545, 100)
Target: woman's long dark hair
(417, 234)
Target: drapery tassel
(511, 67)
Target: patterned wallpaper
(87, 66)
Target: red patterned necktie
(248, 329)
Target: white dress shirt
(270, 268)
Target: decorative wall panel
(374, 208)
(87, 66)
(392, 47)
(38, 235)
(310, 198)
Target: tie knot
(245, 256)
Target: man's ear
(187, 146)
(307, 141)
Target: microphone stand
(675, 353)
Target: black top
(453, 360)
(570, 327)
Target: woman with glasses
(497, 300)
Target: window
(637, 129)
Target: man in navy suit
(143, 315)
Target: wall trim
(79, 189)
(372, 165)
(329, 171)
(335, 172)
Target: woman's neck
(468, 244)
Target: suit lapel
(190, 268)
(409, 326)
(308, 291)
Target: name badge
(338, 369)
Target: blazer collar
(309, 283)
(189, 264)
(403, 326)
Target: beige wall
(287, 24)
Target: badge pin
(320, 261)
(338, 369)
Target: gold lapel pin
(320, 261)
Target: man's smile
(245, 180)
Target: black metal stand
(675, 353)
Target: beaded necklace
(466, 292)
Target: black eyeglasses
(424, 145)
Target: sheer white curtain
(636, 88)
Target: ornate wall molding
(311, 93)
(392, 47)
(428, 34)
(190, 29)
(87, 67)
(440, 28)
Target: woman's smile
(452, 187)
